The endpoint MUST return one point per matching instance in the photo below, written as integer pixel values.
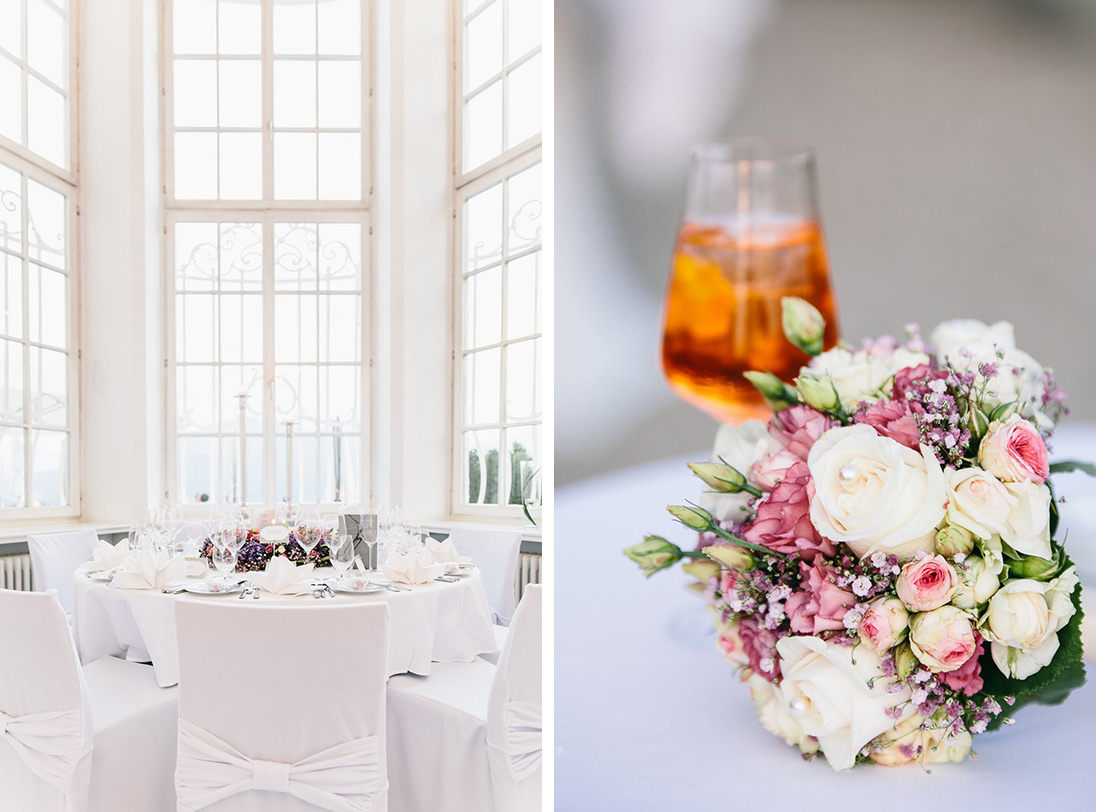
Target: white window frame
(67, 182)
(268, 211)
(465, 185)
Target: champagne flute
(750, 235)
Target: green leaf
(1067, 466)
(1002, 410)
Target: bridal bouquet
(880, 559)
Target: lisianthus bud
(694, 518)
(702, 570)
(720, 476)
(654, 553)
(730, 556)
(775, 391)
(976, 583)
(977, 421)
(817, 392)
(884, 624)
(1037, 569)
(905, 661)
(803, 324)
(952, 541)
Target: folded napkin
(107, 556)
(283, 577)
(149, 570)
(445, 552)
(415, 567)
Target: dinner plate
(365, 589)
(205, 588)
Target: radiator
(528, 571)
(15, 572)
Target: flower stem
(719, 531)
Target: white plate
(108, 575)
(204, 588)
(367, 589)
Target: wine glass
(367, 522)
(224, 559)
(309, 532)
(750, 235)
(342, 554)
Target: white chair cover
(281, 707)
(514, 711)
(495, 552)
(54, 558)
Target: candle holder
(291, 509)
(241, 500)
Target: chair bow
(51, 744)
(523, 737)
(343, 778)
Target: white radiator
(528, 571)
(15, 572)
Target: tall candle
(289, 462)
(243, 449)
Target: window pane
(483, 228)
(196, 410)
(483, 46)
(295, 166)
(198, 464)
(11, 112)
(11, 208)
(523, 109)
(12, 476)
(523, 27)
(11, 29)
(46, 41)
(196, 328)
(481, 387)
(340, 327)
(196, 166)
(241, 328)
(340, 256)
(239, 28)
(522, 375)
(46, 216)
(234, 381)
(195, 90)
(241, 93)
(338, 477)
(11, 381)
(194, 29)
(46, 122)
(294, 27)
(48, 387)
(294, 93)
(523, 464)
(195, 256)
(49, 468)
(340, 93)
(241, 262)
(296, 393)
(483, 126)
(480, 463)
(522, 287)
(340, 27)
(295, 337)
(340, 166)
(340, 398)
(295, 256)
(241, 166)
(483, 308)
(11, 295)
(48, 304)
(524, 209)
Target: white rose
(977, 583)
(1023, 621)
(979, 339)
(740, 447)
(775, 718)
(861, 376)
(827, 689)
(1028, 528)
(874, 493)
(979, 502)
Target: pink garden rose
(926, 584)
(1014, 451)
(967, 677)
(759, 645)
(767, 472)
(821, 604)
(943, 639)
(885, 624)
(783, 521)
(893, 419)
(797, 428)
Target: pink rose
(884, 625)
(730, 643)
(967, 677)
(943, 639)
(893, 419)
(821, 604)
(1014, 451)
(797, 428)
(783, 521)
(759, 645)
(926, 584)
(913, 379)
(771, 469)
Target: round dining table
(439, 621)
(649, 716)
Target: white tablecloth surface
(650, 717)
(435, 622)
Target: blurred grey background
(956, 146)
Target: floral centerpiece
(254, 553)
(879, 559)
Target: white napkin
(445, 552)
(107, 556)
(283, 577)
(149, 570)
(415, 567)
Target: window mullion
(268, 101)
(28, 478)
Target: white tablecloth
(435, 622)
(650, 717)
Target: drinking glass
(342, 554)
(309, 532)
(750, 235)
(368, 524)
(224, 559)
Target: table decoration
(879, 559)
(445, 552)
(412, 567)
(254, 553)
(107, 556)
(283, 577)
(149, 569)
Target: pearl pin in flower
(797, 708)
(847, 473)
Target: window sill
(13, 535)
(530, 535)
